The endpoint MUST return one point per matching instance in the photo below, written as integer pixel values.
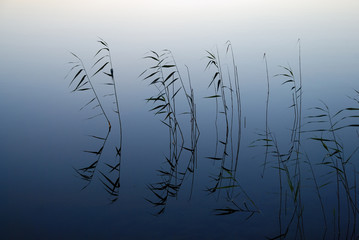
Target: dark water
(46, 141)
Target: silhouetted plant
(165, 76)
(84, 82)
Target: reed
(84, 82)
(101, 62)
(266, 117)
(166, 77)
(288, 163)
(227, 95)
(328, 126)
(323, 128)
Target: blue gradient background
(43, 133)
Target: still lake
(283, 166)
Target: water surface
(44, 135)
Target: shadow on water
(323, 173)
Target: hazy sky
(49, 29)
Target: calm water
(45, 137)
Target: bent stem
(108, 60)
